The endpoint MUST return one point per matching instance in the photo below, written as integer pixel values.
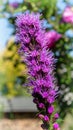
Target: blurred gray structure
(17, 104)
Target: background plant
(11, 71)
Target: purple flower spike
(35, 43)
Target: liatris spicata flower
(34, 46)
(68, 15)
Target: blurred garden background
(13, 72)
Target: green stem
(50, 125)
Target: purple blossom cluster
(68, 15)
(35, 44)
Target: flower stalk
(35, 45)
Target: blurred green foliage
(12, 72)
(63, 48)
